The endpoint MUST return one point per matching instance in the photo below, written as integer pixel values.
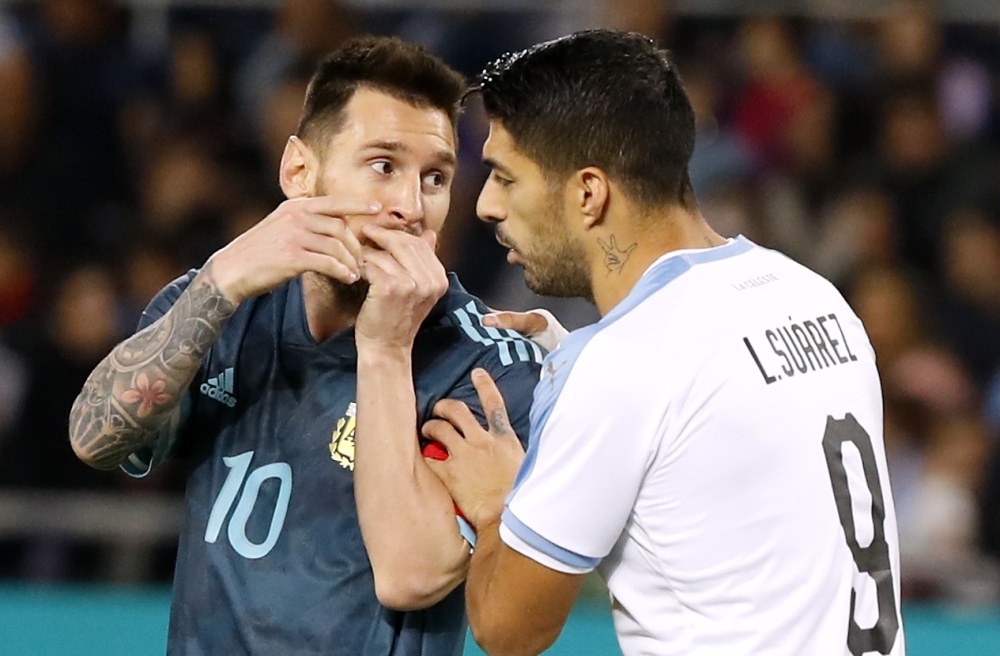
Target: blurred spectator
(85, 71)
(17, 280)
(858, 232)
(721, 158)
(936, 445)
(80, 329)
(148, 268)
(908, 42)
(778, 94)
(305, 31)
(17, 111)
(970, 309)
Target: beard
(556, 264)
(348, 298)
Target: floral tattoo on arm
(133, 392)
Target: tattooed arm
(137, 388)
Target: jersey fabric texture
(271, 559)
(713, 446)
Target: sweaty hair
(386, 64)
(598, 98)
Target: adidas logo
(220, 388)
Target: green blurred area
(102, 621)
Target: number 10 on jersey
(238, 467)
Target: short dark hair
(598, 98)
(386, 64)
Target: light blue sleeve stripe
(535, 350)
(505, 356)
(502, 339)
(550, 549)
(466, 323)
(495, 336)
(522, 350)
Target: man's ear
(298, 170)
(590, 192)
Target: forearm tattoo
(133, 391)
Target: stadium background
(861, 137)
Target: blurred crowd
(131, 149)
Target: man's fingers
(413, 254)
(408, 249)
(458, 415)
(332, 247)
(328, 266)
(337, 229)
(443, 432)
(540, 325)
(381, 266)
(526, 323)
(492, 402)
(338, 207)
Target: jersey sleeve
(515, 384)
(514, 364)
(587, 455)
(142, 461)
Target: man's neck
(326, 312)
(618, 264)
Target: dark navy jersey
(271, 559)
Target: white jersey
(714, 447)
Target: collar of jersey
(671, 265)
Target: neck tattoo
(614, 257)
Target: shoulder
(461, 314)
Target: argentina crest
(342, 444)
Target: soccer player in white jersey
(713, 445)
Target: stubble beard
(348, 298)
(557, 262)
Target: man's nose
(487, 207)
(407, 201)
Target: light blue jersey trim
(503, 340)
(466, 531)
(550, 549)
(558, 364)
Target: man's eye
(499, 179)
(435, 179)
(382, 167)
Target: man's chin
(350, 296)
(346, 296)
(560, 285)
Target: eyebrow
(497, 166)
(442, 157)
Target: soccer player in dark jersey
(292, 372)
